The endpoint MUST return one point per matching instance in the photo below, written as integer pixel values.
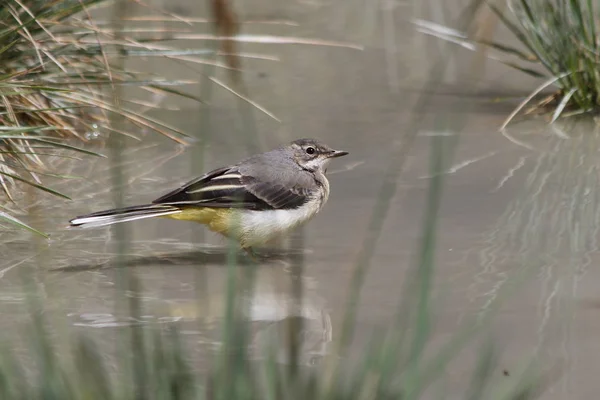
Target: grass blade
(36, 185)
(53, 143)
(531, 96)
(563, 103)
(5, 217)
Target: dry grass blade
(54, 72)
(56, 144)
(268, 39)
(227, 25)
(258, 106)
(530, 97)
(563, 103)
(150, 18)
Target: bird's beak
(337, 153)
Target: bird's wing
(229, 188)
(277, 195)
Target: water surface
(526, 201)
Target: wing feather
(278, 196)
(228, 188)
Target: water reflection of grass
(399, 363)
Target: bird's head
(312, 155)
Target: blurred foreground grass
(153, 363)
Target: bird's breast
(255, 227)
(325, 195)
(259, 227)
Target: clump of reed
(55, 81)
(557, 40)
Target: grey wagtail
(253, 201)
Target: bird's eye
(310, 150)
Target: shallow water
(522, 203)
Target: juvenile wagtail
(253, 201)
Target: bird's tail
(117, 215)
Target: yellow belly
(216, 219)
(249, 228)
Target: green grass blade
(36, 185)
(177, 92)
(95, 382)
(504, 48)
(575, 7)
(526, 70)
(592, 24)
(425, 267)
(68, 147)
(483, 372)
(511, 26)
(5, 217)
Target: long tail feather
(109, 217)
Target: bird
(253, 202)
